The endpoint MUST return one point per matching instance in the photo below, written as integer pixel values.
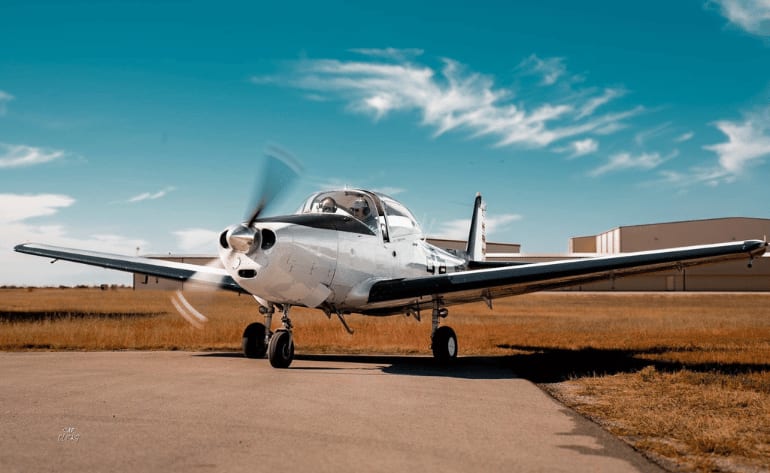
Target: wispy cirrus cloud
(624, 161)
(590, 106)
(454, 98)
(549, 69)
(747, 145)
(15, 156)
(753, 16)
(150, 195)
(643, 136)
(684, 137)
(5, 97)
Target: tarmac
(166, 411)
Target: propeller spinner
(280, 170)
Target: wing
(475, 285)
(135, 264)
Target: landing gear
(443, 339)
(254, 345)
(279, 346)
(444, 344)
(280, 350)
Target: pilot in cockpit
(328, 205)
(360, 210)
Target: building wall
(696, 232)
(585, 244)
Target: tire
(444, 344)
(280, 351)
(254, 341)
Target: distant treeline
(103, 287)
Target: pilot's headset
(361, 204)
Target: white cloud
(684, 137)
(550, 69)
(454, 98)
(20, 269)
(595, 102)
(17, 208)
(458, 229)
(197, 239)
(747, 142)
(621, 161)
(5, 97)
(151, 195)
(583, 147)
(752, 16)
(13, 156)
(643, 136)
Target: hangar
(728, 276)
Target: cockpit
(382, 214)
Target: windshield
(381, 213)
(357, 204)
(401, 222)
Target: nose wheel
(254, 341)
(258, 340)
(280, 351)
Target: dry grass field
(684, 378)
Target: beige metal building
(729, 276)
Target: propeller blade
(196, 284)
(280, 171)
(186, 310)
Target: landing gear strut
(280, 349)
(443, 339)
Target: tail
(477, 238)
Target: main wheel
(280, 351)
(444, 344)
(254, 341)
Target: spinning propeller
(279, 172)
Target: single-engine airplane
(357, 251)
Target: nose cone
(242, 238)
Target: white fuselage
(311, 266)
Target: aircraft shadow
(552, 365)
(539, 364)
(470, 367)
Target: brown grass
(684, 378)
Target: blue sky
(128, 125)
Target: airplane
(359, 251)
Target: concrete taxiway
(164, 411)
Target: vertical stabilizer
(477, 238)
